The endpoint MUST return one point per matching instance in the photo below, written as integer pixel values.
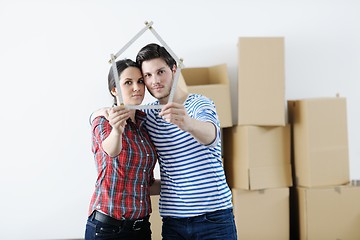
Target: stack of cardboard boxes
(286, 162)
(325, 205)
(257, 149)
(155, 219)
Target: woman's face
(132, 86)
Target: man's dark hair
(152, 51)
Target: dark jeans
(218, 225)
(96, 230)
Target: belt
(125, 223)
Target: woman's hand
(117, 117)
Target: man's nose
(156, 79)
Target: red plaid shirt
(122, 188)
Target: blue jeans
(218, 225)
(96, 230)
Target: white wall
(53, 59)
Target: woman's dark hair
(121, 65)
(152, 51)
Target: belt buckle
(134, 224)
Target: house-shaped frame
(148, 25)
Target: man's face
(158, 78)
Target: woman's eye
(128, 83)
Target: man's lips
(157, 88)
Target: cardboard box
(212, 82)
(155, 219)
(181, 83)
(329, 213)
(262, 214)
(320, 141)
(257, 157)
(261, 81)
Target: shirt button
(142, 141)
(142, 185)
(147, 154)
(144, 170)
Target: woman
(125, 159)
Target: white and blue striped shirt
(192, 176)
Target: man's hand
(175, 113)
(100, 112)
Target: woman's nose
(136, 87)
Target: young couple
(195, 200)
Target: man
(195, 200)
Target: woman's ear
(114, 91)
(174, 68)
